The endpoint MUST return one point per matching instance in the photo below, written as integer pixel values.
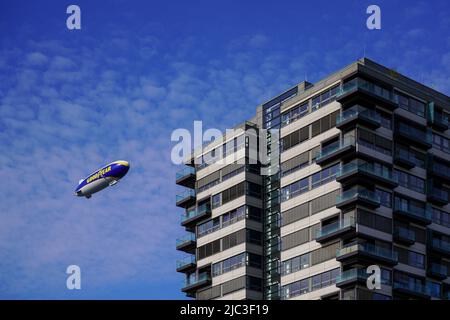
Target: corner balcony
(437, 271)
(412, 213)
(436, 119)
(358, 115)
(186, 264)
(435, 194)
(186, 177)
(191, 217)
(360, 89)
(187, 243)
(359, 196)
(404, 235)
(414, 136)
(412, 289)
(366, 174)
(439, 246)
(192, 284)
(335, 230)
(368, 253)
(186, 198)
(343, 149)
(354, 276)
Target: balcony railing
(186, 261)
(358, 111)
(187, 238)
(413, 287)
(185, 195)
(422, 213)
(191, 281)
(441, 245)
(356, 274)
(186, 171)
(350, 141)
(437, 268)
(358, 194)
(200, 210)
(367, 168)
(372, 88)
(405, 233)
(414, 134)
(335, 227)
(368, 248)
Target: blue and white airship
(109, 175)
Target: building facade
(362, 181)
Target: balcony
(414, 136)
(186, 177)
(435, 194)
(436, 119)
(358, 196)
(186, 198)
(366, 252)
(413, 289)
(193, 283)
(404, 235)
(438, 246)
(351, 277)
(408, 212)
(358, 115)
(366, 174)
(187, 243)
(347, 147)
(194, 215)
(438, 168)
(335, 230)
(360, 89)
(186, 264)
(437, 271)
(404, 158)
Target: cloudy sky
(74, 100)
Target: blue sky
(71, 101)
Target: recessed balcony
(366, 252)
(404, 210)
(436, 119)
(404, 235)
(187, 243)
(358, 196)
(185, 198)
(439, 246)
(345, 148)
(437, 167)
(436, 194)
(366, 174)
(360, 89)
(404, 158)
(193, 283)
(192, 216)
(437, 271)
(358, 115)
(412, 289)
(414, 136)
(186, 177)
(186, 264)
(335, 230)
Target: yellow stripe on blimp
(124, 163)
(99, 174)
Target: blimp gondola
(108, 175)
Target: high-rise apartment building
(363, 181)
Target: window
(408, 103)
(216, 200)
(410, 181)
(316, 282)
(385, 197)
(441, 217)
(441, 143)
(208, 227)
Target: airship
(108, 175)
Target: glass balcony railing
(413, 286)
(335, 148)
(187, 238)
(405, 233)
(441, 245)
(186, 261)
(422, 213)
(438, 268)
(336, 226)
(368, 168)
(414, 133)
(365, 85)
(360, 194)
(193, 280)
(185, 172)
(368, 249)
(357, 111)
(437, 193)
(200, 210)
(356, 274)
(185, 195)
